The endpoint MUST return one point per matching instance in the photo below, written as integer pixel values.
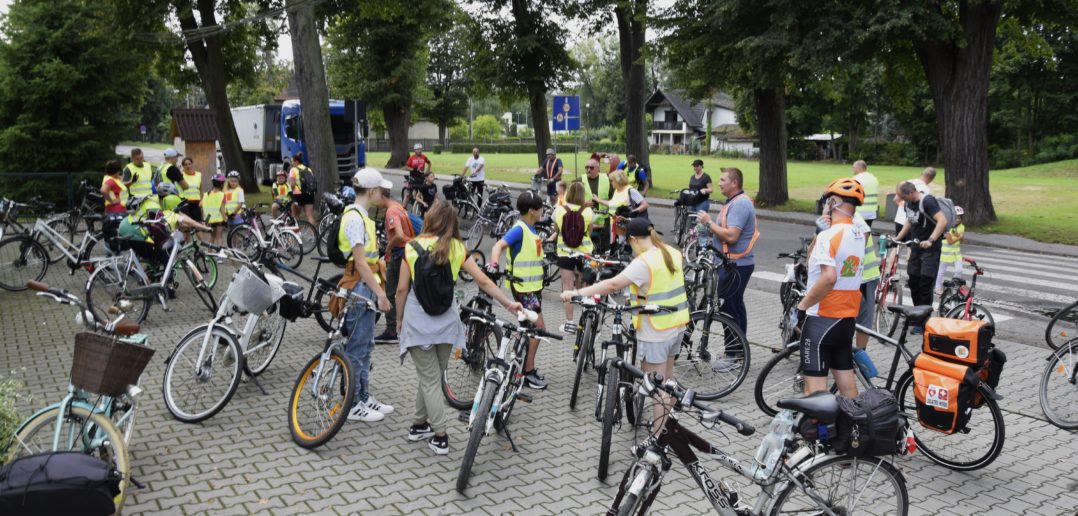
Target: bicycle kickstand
(505, 430)
(258, 384)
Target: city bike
(252, 238)
(23, 257)
(495, 217)
(1063, 328)
(890, 289)
(467, 366)
(1058, 393)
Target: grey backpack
(946, 206)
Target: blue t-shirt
(742, 214)
(515, 238)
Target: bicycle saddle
(917, 315)
(93, 217)
(820, 405)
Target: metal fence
(60, 188)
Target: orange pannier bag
(955, 340)
(944, 392)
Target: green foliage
(601, 84)
(69, 85)
(270, 78)
(9, 415)
(486, 128)
(1056, 148)
(450, 59)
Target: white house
(678, 122)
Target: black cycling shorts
(303, 199)
(827, 343)
(571, 263)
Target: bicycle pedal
(526, 398)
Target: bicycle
(956, 301)
(59, 224)
(496, 217)
(681, 216)
(969, 453)
(889, 290)
(794, 473)
(1058, 392)
(463, 198)
(326, 384)
(502, 382)
(318, 296)
(591, 320)
(1063, 328)
(23, 257)
(101, 427)
(83, 217)
(252, 238)
(204, 369)
(792, 289)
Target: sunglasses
(591, 168)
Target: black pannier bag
(870, 425)
(58, 483)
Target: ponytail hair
(657, 241)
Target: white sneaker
(361, 412)
(378, 406)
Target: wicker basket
(104, 365)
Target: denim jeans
(701, 206)
(732, 289)
(359, 327)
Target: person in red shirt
(113, 190)
(418, 165)
(399, 232)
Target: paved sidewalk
(243, 461)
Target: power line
(202, 33)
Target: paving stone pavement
(243, 461)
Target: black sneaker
(439, 445)
(420, 432)
(533, 381)
(386, 338)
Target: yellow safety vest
(170, 202)
(559, 217)
(370, 248)
(666, 289)
(456, 254)
(149, 204)
(871, 268)
(603, 193)
(871, 185)
(232, 200)
(281, 192)
(193, 192)
(124, 191)
(527, 266)
(620, 198)
(297, 174)
(211, 206)
(951, 253)
(141, 179)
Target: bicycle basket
(501, 198)
(104, 365)
(291, 306)
(249, 291)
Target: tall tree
(631, 16)
(447, 67)
(313, 94)
(522, 52)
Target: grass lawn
(1039, 201)
(147, 145)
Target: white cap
(417, 146)
(171, 153)
(370, 178)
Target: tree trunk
(397, 120)
(771, 126)
(210, 64)
(441, 136)
(958, 78)
(313, 96)
(537, 103)
(631, 31)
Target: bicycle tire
(63, 228)
(80, 418)
(711, 383)
(338, 411)
(325, 239)
(947, 300)
(289, 249)
(322, 314)
(21, 260)
(793, 385)
(464, 372)
(584, 342)
(1067, 330)
(887, 320)
(610, 413)
(475, 434)
(630, 504)
(1067, 370)
(907, 402)
(105, 291)
(308, 236)
(244, 238)
(843, 465)
(207, 267)
(480, 261)
(198, 284)
(977, 312)
(192, 341)
(475, 235)
(265, 341)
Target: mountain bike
(252, 237)
(1063, 328)
(956, 301)
(502, 382)
(795, 474)
(97, 416)
(467, 366)
(591, 320)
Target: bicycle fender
(218, 327)
(74, 403)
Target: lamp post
(587, 111)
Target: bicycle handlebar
(648, 309)
(525, 318)
(685, 397)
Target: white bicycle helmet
(959, 211)
(167, 189)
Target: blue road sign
(566, 113)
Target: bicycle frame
(498, 369)
(66, 247)
(624, 342)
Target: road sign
(566, 113)
(142, 128)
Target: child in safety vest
(213, 209)
(282, 194)
(951, 250)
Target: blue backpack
(417, 223)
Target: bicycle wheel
(207, 267)
(973, 447)
(321, 302)
(21, 260)
(244, 238)
(325, 239)
(1063, 328)
(977, 312)
(480, 260)
(630, 504)
(308, 235)
(610, 415)
(1059, 387)
(583, 353)
(781, 378)
(475, 234)
(289, 249)
(63, 228)
(108, 294)
(475, 435)
(198, 284)
(848, 486)
(460, 380)
(886, 320)
(319, 403)
(78, 430)
(265, 341)
(196, 390)
(716, 368)
(948, 300)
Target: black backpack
(572, 227)
(333, 252)
(307, 182)
(433, 283)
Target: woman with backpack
(573, 222)
(625, 202)
(428, 316)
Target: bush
(1058, 148)
(605, 146)
(887, 153)
(504, 148)
(1000, 158)
(437, 148)
(801, 150)
(9, 416)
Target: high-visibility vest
(871, 268)
(370, 247)
(559, 218)
(951, 253)
(124, 191)
(619, 198)
(211, 206)
(870, 208)
(281, 192)
(666, 289)
(633, 180)
(141, 179)
(149, 204)
(603, 193)
(193, 192)
(232, 200)
(456, 254)
(755, 232)
(170, 202)
(297, 174)
(527, 266)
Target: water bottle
(773, 445)
(864, 363)
(703, 233)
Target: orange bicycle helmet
(847, 188)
